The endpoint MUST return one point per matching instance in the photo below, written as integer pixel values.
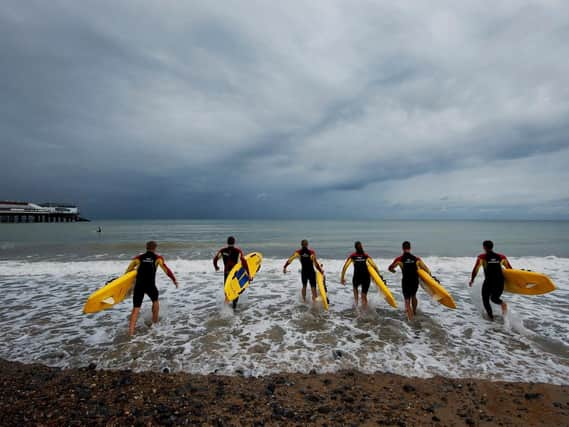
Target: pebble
(531, 396)
(312, 398)
(100, 395)
(125, 380)
(270, 388)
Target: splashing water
(273, 331)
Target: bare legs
(411, 307)
(133, 318)
(155, 311)
(312, 290)
(504, 308)
(136, 312)
(357, 296)
(364, 300)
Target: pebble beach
(38, 395)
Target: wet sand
(39, 395)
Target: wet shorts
(309, 276)
(492, 290)
(409, 288)
(363, 281)
(140, 290)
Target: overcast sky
(315, 109)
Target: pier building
(12, 212)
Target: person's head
(231, 240)
(304, 243)
(406, 246)
(488, 245)
(359, 248)
(151, 246)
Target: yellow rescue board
(237, 279)
(435, 289)
(527, 282)
(382, 286)
(110, 294)
(322, 289)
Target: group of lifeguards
(491, 262)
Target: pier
(26, 212)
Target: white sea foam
(272, 331)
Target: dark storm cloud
(503, 142)
(252, 109)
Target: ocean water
(47, 271)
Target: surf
(273, 332)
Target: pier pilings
(6, 217)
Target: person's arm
(162, 264)
(372, 263)
(133, 265)
(423, 266)
(396, 262)
(475, 271)
(344, 269)
(505, 262)
(215, 259)
(244, 264)
(316, 263)
(290, 260)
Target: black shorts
(409, 288)
(493, 290)
(308, 276)
(140, 289)
(363, 281)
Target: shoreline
(33, 394)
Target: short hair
(358, 246)
(488, 244)
(151, 245)
(304, 243)
(231, 240)
(406, 245)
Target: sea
(47, 271)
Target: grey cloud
(320, 106)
